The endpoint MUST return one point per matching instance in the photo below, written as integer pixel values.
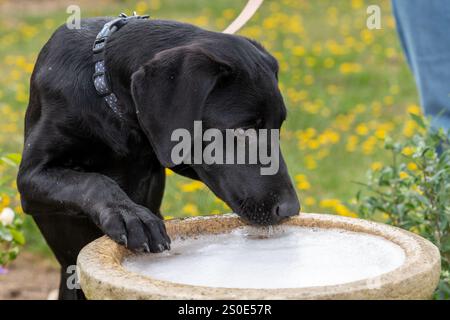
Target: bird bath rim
(102, 275)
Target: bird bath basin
(312, 256)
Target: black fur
(86, 172)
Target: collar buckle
(99, 45)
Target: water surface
(288, 257)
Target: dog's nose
(288, 208)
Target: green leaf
(17, 236)
(419, 120)
(445, 243)
(443, 291)
(12, 254)
(8, 161)
(14, 157)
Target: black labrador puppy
(86, 171)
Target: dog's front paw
(136, 228)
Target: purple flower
(3, 270)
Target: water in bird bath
(284, 257)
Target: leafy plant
(11, 236)
(413, 191)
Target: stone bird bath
(413, 275)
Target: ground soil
(30, 277)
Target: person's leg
(424, 31)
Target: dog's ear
(170, 92)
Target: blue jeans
(424, 30)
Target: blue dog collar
(100, 77)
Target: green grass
(302, 34)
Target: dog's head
(227, 83)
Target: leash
(249, 11)
(100, 77)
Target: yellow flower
(311, 107)
(408, 151)
(302, 182)
(298, 51)
(28, 31)
(342, 210)
(410, 128)
(141, 7)
(376, 166)
(192, 186)
(191, 209)
(269, 23)
(349, 67)
(352, 142)
(338, 207)
(412, 166)
(414, 109)
(362, 129)
(403, 175)
(380, 133)
(313, 144)
(367, 36)
(322, 154)
(18, 210)
(329, 137)
(21, 96)
(356, 4)
(329, 203)
(4, 200)
(304, 185)
(369, 145)
(29, 67)
(201, 21)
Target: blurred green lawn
(346, 88)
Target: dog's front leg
(97, 196)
